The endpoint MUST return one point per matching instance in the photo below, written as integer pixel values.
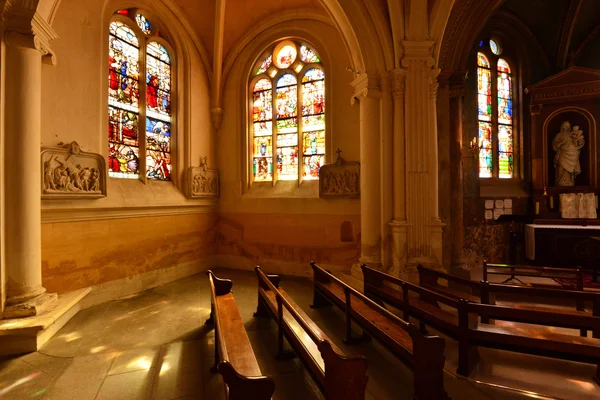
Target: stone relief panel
(203, 181)
(70, 173)
(340, 180)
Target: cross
(339, 152)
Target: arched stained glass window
(495, 114)
(288, 114)
(139, 127)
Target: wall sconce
(475, 148)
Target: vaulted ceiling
(565, 29)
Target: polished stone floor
(154, 345)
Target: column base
(29, 308)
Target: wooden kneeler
(234, 357)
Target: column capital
(398, 83)
(22, 30)
(366, 85)
(418, 52)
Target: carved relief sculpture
(567, 144)
(203, 181)
(339, 180)
(70, 173)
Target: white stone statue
(567, 144)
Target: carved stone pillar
(22, 66)
(456, 177)
(368, 93)
(398, 224)
(424, 232)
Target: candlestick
(537, 208)
(551, 202)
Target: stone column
(22, 64)
(424, 232)
(398, 224)
(458, 266)
(368, 93)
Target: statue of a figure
(567, 144)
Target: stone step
(25, 335)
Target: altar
(561, 245)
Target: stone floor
(154, 345)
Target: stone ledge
(26, 335)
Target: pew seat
(234, 357)
(423, 354)
(339, 377)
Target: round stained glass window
(494, 47)
(285, 54)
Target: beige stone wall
(138, 232)
(88, 253)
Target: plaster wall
(138, 227)
(287, 225)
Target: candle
(551, 202)
(596, 201)
(537, 208)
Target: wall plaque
(70, 173)
(203, 181)
(340, 180)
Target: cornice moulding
(50, 215)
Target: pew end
(242, 387)
(222, 286)
(349, 371)
(319, 301)
(428, 367)
(275, 279)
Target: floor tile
(135, 385)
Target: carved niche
(340, 180)
(70, 173)
(570, 96)
(203, 181)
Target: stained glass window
(494, 47)
(285, 55)
(125, 127)
(495, 122)
(144, 24)
(288, 116)
(264, 66)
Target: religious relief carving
(203, 181)
(70, 173)
(339, 180)
(567, 144)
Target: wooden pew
(234, 358)
(423, 354)
(455, 320)
(515, 271)
(485, 292)
(338, 376)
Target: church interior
(309, 199)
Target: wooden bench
(234, 358)
(485, 293)
(459, 319)
(515, 271)
(423, 354)
(338, 376)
